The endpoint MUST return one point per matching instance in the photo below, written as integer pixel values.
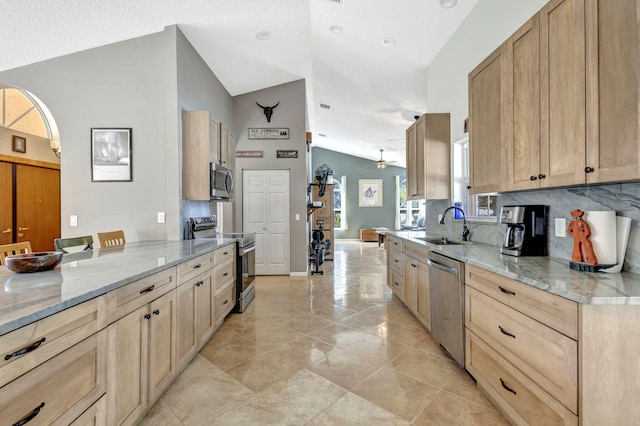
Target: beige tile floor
(336, 349)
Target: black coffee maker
(526, 233)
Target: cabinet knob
(199, 283)
(533, 178)
(468, 186)
(156, 312)
(541, 176)
(147, 316)
(589, 170)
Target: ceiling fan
(381, 164)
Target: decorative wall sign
(267, 133)
(111, 155)
(369, 192)
(282, 153)
(249, 154)
(19, 144)
(268, 110)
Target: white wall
(488, 25)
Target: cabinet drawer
(224, 301)
(512, 390)
(130, 297)
(397, 284)
(193, 267)
(416, 251)
(395, 261)
(96, 415)
(224, 273)
(61, 389)
(556, 312)
(223, 254)
(48, 337)
(549, 358)
(395, 243)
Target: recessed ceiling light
(263, 35)
(388, 42)
(448, 3)
(335, 29)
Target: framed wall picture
(111, 155)
(370, 192)
(19, 144)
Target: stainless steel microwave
(221, 182)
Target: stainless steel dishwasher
(446, 292)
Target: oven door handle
(246, 250)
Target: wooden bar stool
(111, 239)
(15, 248)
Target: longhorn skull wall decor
(268, 111)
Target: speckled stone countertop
(25, 298)
(543, 272)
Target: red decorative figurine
(580, 231)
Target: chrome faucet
(465, 230)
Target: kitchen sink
(442, 241)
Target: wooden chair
(111, 239)
(62, 243)
(11, 249)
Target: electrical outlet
(73, 220)
(160, 217)
(561, 227)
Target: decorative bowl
(33, 262)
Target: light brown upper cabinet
(486, 129)
(613, 142)
(429, 157)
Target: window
(481, 206)
(410, 211)
(20, 112)
(340, 204)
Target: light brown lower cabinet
(142, 359)
(59, 390)
(416, 281)
(96, 415)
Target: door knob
(22, 229)
(7, 231)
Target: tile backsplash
(623, 198)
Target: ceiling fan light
(381, 164)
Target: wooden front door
(6, 203)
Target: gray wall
(356, 168)
(290, 113)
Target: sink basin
(442, 241)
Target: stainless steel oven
(205, 227)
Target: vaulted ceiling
(366, 59)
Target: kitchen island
(546, 344)
(102, 336)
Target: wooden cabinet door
(6, 201)
(186, 341)
(410, 282)
(423, 309)
(486, 170)
(562, 92)
(205, 316)
(522, 107)
(127, 368)
(162, 345)
(419, 160)
(613, 144)
(412, 176)
(436, 167)
(37, 206)
(200, 147)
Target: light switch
(73, 220)
(160, 217)
(297, 216)
(561, 227)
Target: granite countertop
(543, 272)
(26, 298)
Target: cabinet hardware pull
(414, 265)
(395, 283)
(199, 283)
(147, 316)
(504, 290)
(506, 333)
(25, 350)
(226, 252)
(396, 260)
(541, 176)
(533, 178)
(589, 170)
(225, 302)
(225, 274)
(507, 387)
(148, 289)
(197, 266)
(156, 312)
(31, 416)
(468, 186)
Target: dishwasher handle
(444, 268)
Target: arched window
(19, 111)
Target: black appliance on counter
(205, 227)
(526, 233)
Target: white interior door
(266, 206)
